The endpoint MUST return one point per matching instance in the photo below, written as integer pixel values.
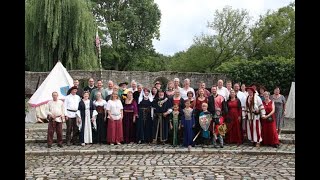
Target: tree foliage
(271, 71)
(274, 34)
(128, 27)
(59, 30)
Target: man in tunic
(71, 104)
(100, 89)
(221, 90)
(254, 111)
(55, 111)
(79, 91)
(163, 107)
(90, 86)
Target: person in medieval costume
(144, 122)
(175, 124)
(130, 113)
(205, 119)
(218, 108)
(162, 108)
(187, 124)
(254, 111)
(86, 117)
(100, 135)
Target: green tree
(128, 27)
(59, 30)
(274, 34)
(231, 28)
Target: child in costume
(187, 123)
(175, 124)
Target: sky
(182, 20)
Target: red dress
(268, 128)
(234, 134)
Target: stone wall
(142, 77)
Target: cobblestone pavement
(168, 166)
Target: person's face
(202, 85)
(176, 83)
(214, 90)
(276, 91)
(139, 88)
(187, 104)
(158, 86)
(129, 95)
(176, 93)
(204, 107)
(236, 87)
(146, 93)
(115, 89)
(254, 87)
(220, 84)
(229, 85)
(74, 91)
(154, 90)
(91, 82)
(99, 84)
(98, 95)
(190, 95)
(54, 96)
(124, 86)
(250, 92)
(201, 92)
(176, 108)
(243, 87)
(261, 91)
(134, 85)
(171, 85)
(232, 94)
(85, 95)
(161, 94)
(110, 85)
(76, 83)
(266, 96)
(186, 83)
(114, 96)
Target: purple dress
(129, 110)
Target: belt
(128, 110)
(71, 110)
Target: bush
(270, 72)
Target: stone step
(41, 137)
(40, 149)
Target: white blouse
(115, 108)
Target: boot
(214, 139)
(221, 141)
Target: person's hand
(165, 114)
(134, 119)
(66, 117)
(79, 120)
(179, 127)
(171, 126)
(105, 118)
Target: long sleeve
(239, 108)
(211, 107)
(192, 118)
(135, 107)
(182, 118)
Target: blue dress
(187, 120)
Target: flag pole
(98, 44)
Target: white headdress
(142, 96)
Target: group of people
(175, 115)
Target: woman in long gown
(130, 113)
(233, 119)
(101, 107)
(86, 116)
(268, 123)
(187, 123)
(115, 116)
(144, 123)
(280, 103)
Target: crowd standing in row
(176, 115)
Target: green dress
(175, 120)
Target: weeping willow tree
(61, 30)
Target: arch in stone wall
(163, 80)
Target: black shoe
(60, 145)
(49, 146)
(276, 146)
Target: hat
(157, 82)
(251, 88)
(126, 83)
(73, 87)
